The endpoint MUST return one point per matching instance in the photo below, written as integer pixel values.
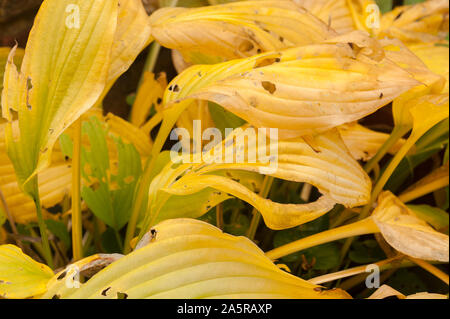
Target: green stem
(119, 240)
(144, 183)
(363, 227)
(219, 216)
(155, 48)
(397, 133)
(256, 219)
(380, 185)
(42, 227)
(436, 132)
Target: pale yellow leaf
(406, 232)
(192, 259)
(21, 276)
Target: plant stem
(264, 192)
(42, 227)
(349, 272)
(362, 227)
(432, 135)
(152, 58)
(155, 48)
(119, 240)
(397, 133)
(11, 220)
(431, 269)
(77, 230)
(380, 185)
(423, 189)
(219, 216)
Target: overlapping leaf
(69, 65)
(63, 73)
(364, 143)
(407, 233)
(302, 91)
(236, 30)
(192, 259)
(326, 165)
(341, 15)
(4, 53)
(435, 56)
(21, 276)
(422, 22)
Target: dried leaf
(407, 233)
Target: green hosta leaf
(407, 281)
(112, 198)
(111, 195)
(109, 241)
(409, 2)
(59, 229)
(191, 206)
(2, 216)
(434, 216)
(323, 257)
(224, 119)
(385, 5)
(289, 235)
(366, 252)
(239, 226)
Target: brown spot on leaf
(60, 277)
(269, 86)
(122, 295)
(104, 292)
(266, 62)
(245, 46)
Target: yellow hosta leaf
(4, 53)
(421, 22)
(364, 143)
(364, 13)
(302, 91)
(328, 166)
(68, 279)
(437, 179)
(150, 94)
(129, 133)
(64, 72)
(426, 295)
(407, 233)
(435, 56)
(238, 29)
(192, 259)
(431, 85)
(334, 13)
(131, 37)
(428, 111)
(21, 276)
(386, 291)
(54, 182)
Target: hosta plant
(292, 145)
